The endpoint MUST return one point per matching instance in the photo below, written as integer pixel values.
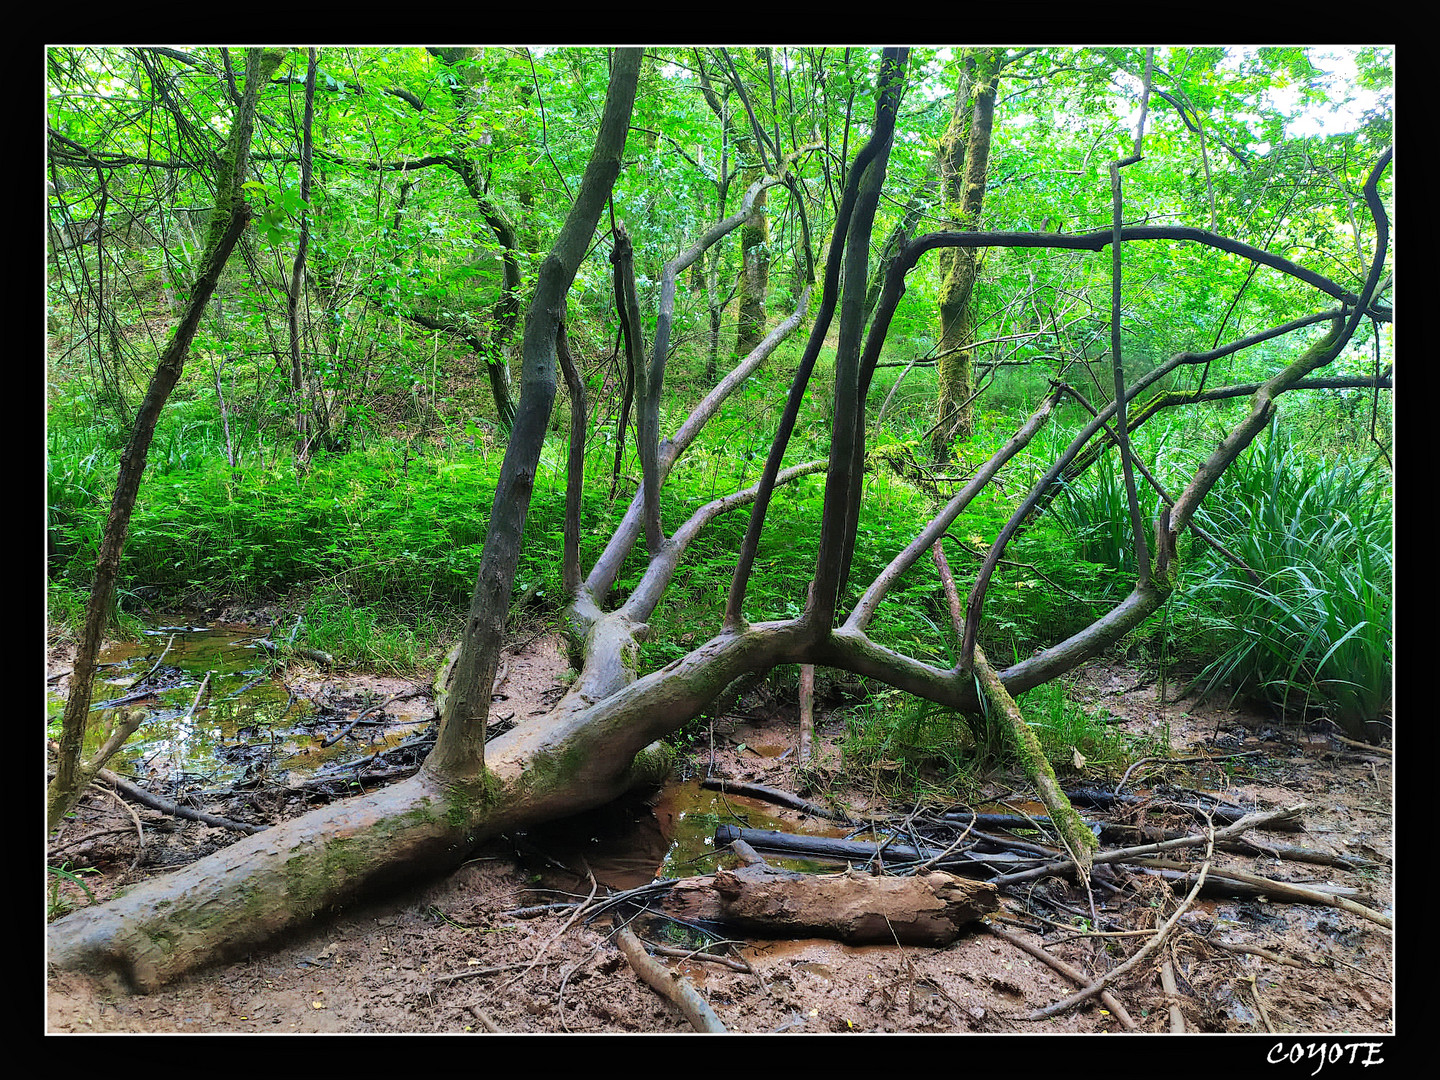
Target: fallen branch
(139, 827)
(333, 739)
(700, 954)
(1181, 760)
(470, 973)
(1172, 994)
(853, 907)
(1072, 831)
(860, 852)
(1249, 845)
(278, 650)
(579, 910)
(1286, 891)
(1149, 947)
(1364, 746)
(1255, 950)
(807, 712)
(204, 683)
(483, 1018)
(1267, 819)
(775, 796)
(1214, 810)
(1071, 972)
(165, 806)
(667, 984)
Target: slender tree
(965, 159)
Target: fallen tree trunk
(582, 755)
(853, 907)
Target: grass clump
(1311, 631)
(908, 746)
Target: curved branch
(1098, 241)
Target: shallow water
(248, 724)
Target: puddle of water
(689, 815)
(231, 733)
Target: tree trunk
(460, 747)
(754, 272)
(967, 140)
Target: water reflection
(245, 726)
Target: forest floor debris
(469, 953)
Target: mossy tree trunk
(965, 158)
(753, 284)
(754, 269)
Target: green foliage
(905, 745)
(1095, 513)
(1315, 632)
(377, 640)
(56, 902)
(1066, 728)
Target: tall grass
(1094, 511)
(1314, 633)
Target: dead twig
(1286, 890)
(1364, 746)
(1255, 950)
(594, 888)
(774, 795)
(1182, 760)
(157, 662)
(483, 1018)
(470, 973)
(1249, 821)
(1071, 972)
(165, 806)
(1154, 943)
(205, 682)
(139, 828)
(1172, 993)
(1259, 1003)
(333, 739)
(700, 954)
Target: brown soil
(452, 955)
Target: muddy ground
(458, 955)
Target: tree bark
(303, 442)
(853, 907)
(966, 192)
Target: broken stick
(670, 986)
